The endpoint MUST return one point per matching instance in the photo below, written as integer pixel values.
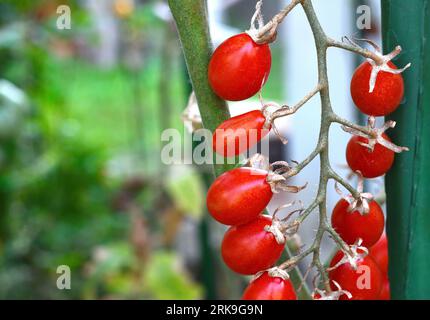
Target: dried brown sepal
(332, 295)
(276, 229)
(191, 115)
(289, 228)
(258, 161)
(273, 272)
(353, 256)
(279, 183)
(375, 136)
(361, 203)
(270, 118)
(379, 62)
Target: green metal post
(407, 23)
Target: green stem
(191, 21)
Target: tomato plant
(238, 196)
(386, 95)
(239, 67)
(267, 287)
(237, 70)
(354, 225)
(250, 248)
(370, 163)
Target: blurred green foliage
(81, 183)
(58, 192)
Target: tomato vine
(242, 210)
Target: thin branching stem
(286, 110)
(364, 129)
(269, 29)
(378, 58)
(328, 117)
(336, 177)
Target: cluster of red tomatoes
(238, 69)
(385, 97)
(352, 225)
(237, 198)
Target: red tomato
(371, 164)
(248, 248)
(239, 67)
(386, 96)
(236, 135)
(385, 291)
(379, 253)
(238, 196)
(364, 283)
(354, 225)
(266, 287)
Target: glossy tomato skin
(238, 196)
(379, 253)
(266, 287)
(238, 134)
(386, 96)
(351, 280)
(371, 164)
(239, 68)
(385, 291)
(248, 248)
(354, 225)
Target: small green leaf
(165, 278)
(187, 192)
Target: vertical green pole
(191, 21)
(406, 23)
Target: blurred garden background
(81, 114)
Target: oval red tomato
(266, 287)
(353, 225)
(248, 248)
(386, 96)
(371, 164)
(238, 134)
(379, 253)
(364, 283)
(239, 67)
(238, 196)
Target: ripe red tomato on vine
(249, 248)
(364, 282)
(238, 196)
(379, 253)
(371, 163)
(385, 291)
(386, 95)
(238, 134)
(266, 287)
(355, 225)
(239, 67)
